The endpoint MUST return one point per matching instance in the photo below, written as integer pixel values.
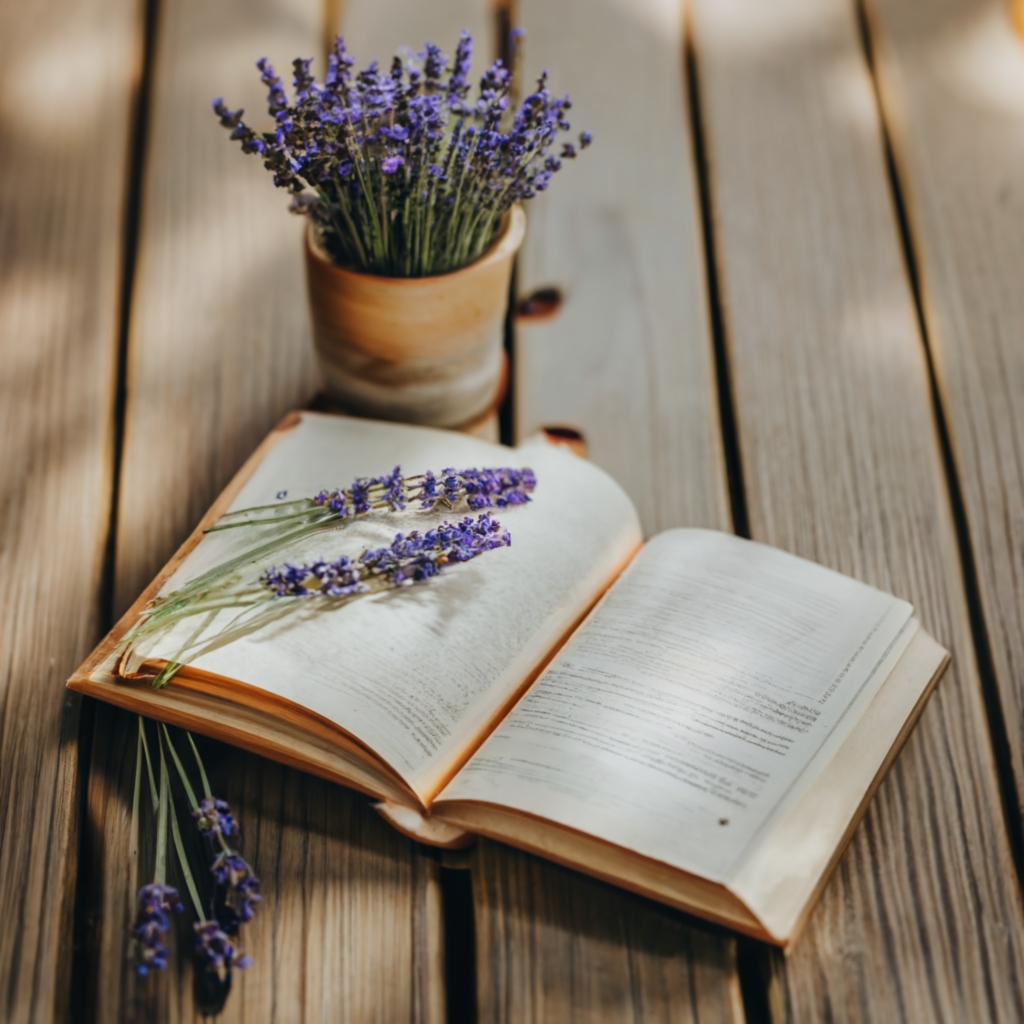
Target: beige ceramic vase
(419, 349)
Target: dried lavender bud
(410, 558)
(482, 488)
(156, 903)
(242, 890)
(214, 817)
(215, 950)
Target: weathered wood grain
(550, 944)
(67, 74)
(923, 919)
(376, 29)
(553, 945)
(627, 358)
(952, 80)
(219, 349)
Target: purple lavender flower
(452, 486)
(214, 817)
(156, 903)
(215, 950)
(428, 495)
(236, 887)
(458, 81)
(481, 488)
(394, 489)
(410, 558)
(360, 492)
(241, 888)
(489, 487)
(339, 578)
(407, 174)
(434, 62)
(336, 501)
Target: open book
(700, 718)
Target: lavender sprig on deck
(402, 172)
(410, 558)
(237, 889)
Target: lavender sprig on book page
(478, 488)
(410, 558)
(286, 523)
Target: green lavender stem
(186, 871)
(160, 872)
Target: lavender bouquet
(403, 173)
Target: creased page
(683, 712)
(416, 672)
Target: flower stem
(160, 871)
(149, 765)
(185, 869)
(138, 786)
(193, 802)
(202, 770)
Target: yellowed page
(418, 674)
(685, 710)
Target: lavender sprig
(401, 170)
(236, 888)
(410, 558)
(158, 900)
(292, 521)
(479, 488)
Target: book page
(417, 673)
(684, 711)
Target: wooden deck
(793, 278)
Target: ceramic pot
(419, 349)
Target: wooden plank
(923, 918)
(219, 349)
(553, 945)
(68, 73)
(952, 81)
(220, 343)
(376, 29)
(550, 944)
(627, 358)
